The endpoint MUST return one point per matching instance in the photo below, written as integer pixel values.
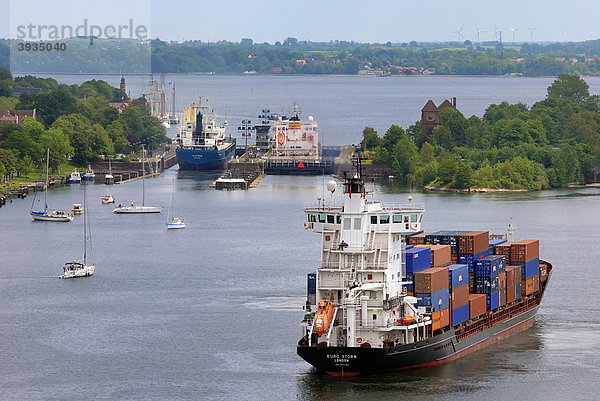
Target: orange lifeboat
(323, 317)
(406, 320)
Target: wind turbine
(478, 32)
(497, 34)
(459, 32)
(531, 30)
(513, 30)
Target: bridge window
(384, 219)
(397, 218)
(413, 218)
(357, 221)
(373, 219)
(321, 218)
(330, 218)
(347, 223)
(338, 219)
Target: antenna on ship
(511, 231)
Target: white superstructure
(293, 137)
(362, 269)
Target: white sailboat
(139, 208)
(84, 267)
(108, 198)
(172, 221)
(49, 214)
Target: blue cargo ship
(202, 142)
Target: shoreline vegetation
(80, 124)
(513, 147)
(293, 56)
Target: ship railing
(367, 266)
(403, 206)
(320, 206)
(370, 324)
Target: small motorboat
(107, 199)
(77, 208)
(89, 174)
(74, 178)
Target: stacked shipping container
(526, 254)
(459, 289)
(459, 292)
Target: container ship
(387, 296)
(202, 142)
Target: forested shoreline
(553, 143)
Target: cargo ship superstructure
(202, 142)
(377, 304)
(295, 138)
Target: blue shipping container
(494, 243)
(486, 285)
(530, 268)
(417, 259)
(460, 314)
(470, 259)
(493, 301)
(490, 266)
(434, 302)
(312, 283)
(458, 275)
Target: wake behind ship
(387, 296)
(202, 142)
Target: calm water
(211, 312)
(342, 106)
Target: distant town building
(16, 116)
(430, 116)
(276, 69)
(247, 42)
(19, 90)
(120, 106)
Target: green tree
(370, 139)
(569, 87)
(464, 176)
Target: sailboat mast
(46, 189)
(85, 217)
(143, 174)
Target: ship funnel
(198, 130)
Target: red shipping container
(440, 254)
(510, 277)
(472, 283)
(502, 281)
(473, 242)
(445, 317)
(459, 296)
(502, 296)
(477, 305)
(536, 283)
(525, 250)
(454, 258)
(510, 294)
(417, 239)
(431, 280)
(504, 249)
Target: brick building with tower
(430, 116)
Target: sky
(324, 20)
